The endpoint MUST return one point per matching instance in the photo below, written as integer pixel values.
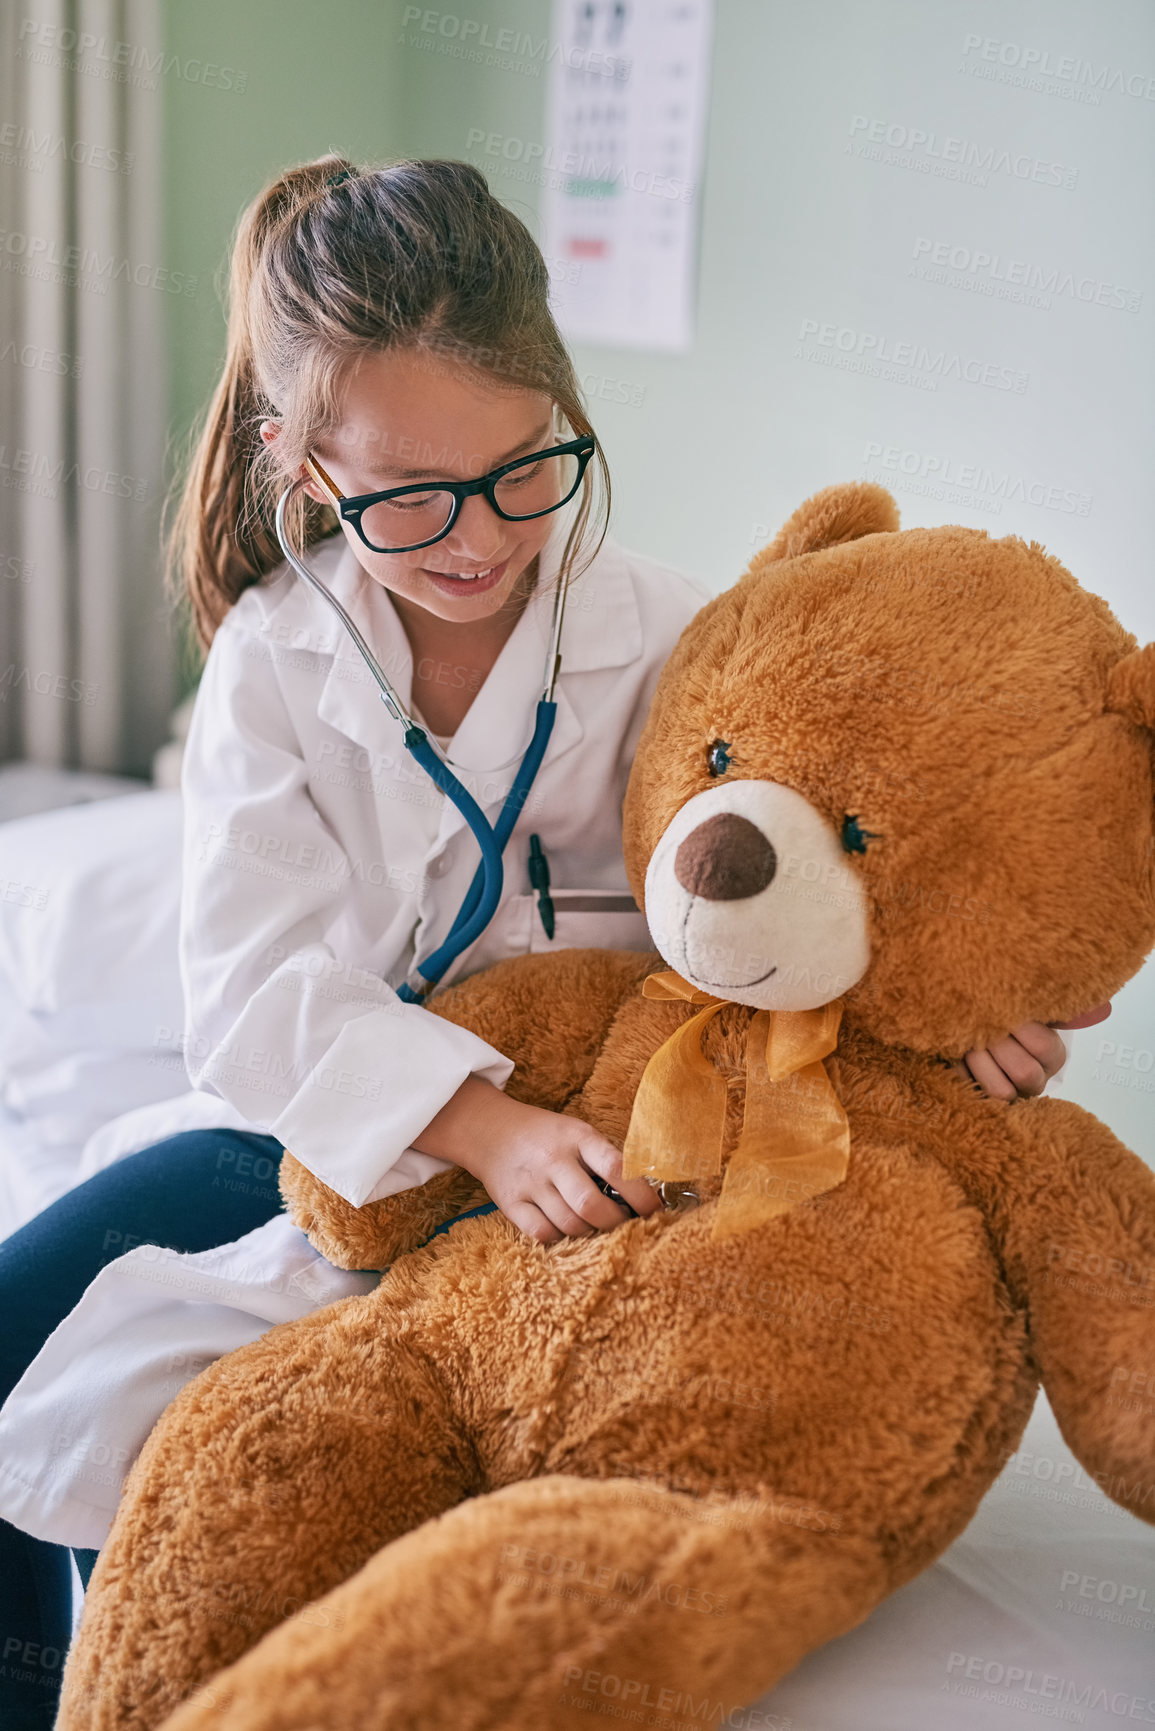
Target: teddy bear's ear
(842, 513)
(1131, 686)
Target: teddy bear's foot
(544, 1601)
(273, 1477)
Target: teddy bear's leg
(540, 1604)
(273, 1477)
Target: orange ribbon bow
(795, 1140)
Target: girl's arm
(283, 1020)
(552, 1014)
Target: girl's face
(408, 417)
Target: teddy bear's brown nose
(725, 858)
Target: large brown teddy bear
(901, 778)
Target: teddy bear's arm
(1076, 1211)
(550, 1014)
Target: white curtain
(86, 642)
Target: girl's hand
(1022, 1064)
(535, 1164)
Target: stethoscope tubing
(484, 892)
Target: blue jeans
(164, 1195)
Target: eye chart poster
(625, 127)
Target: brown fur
(726, 1453)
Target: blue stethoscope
(484, 893)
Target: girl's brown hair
(332, 262)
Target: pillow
(89, 908)
(91, 1008)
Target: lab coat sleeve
(282, 1024)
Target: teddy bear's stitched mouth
(726, 985)
(737, 985)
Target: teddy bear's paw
(375, 1235)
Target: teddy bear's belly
(848, 1356)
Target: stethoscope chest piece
(677, 1195)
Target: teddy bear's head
(913, 770)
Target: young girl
(388, 327)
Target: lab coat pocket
(587, 919)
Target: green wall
(316, 78)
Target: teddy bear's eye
(854, 837)
(718, 756)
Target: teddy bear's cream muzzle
(750, 896)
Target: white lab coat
(318, 862)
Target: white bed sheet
(1043, 1610)
(48, 1120)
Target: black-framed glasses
(401, 519)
